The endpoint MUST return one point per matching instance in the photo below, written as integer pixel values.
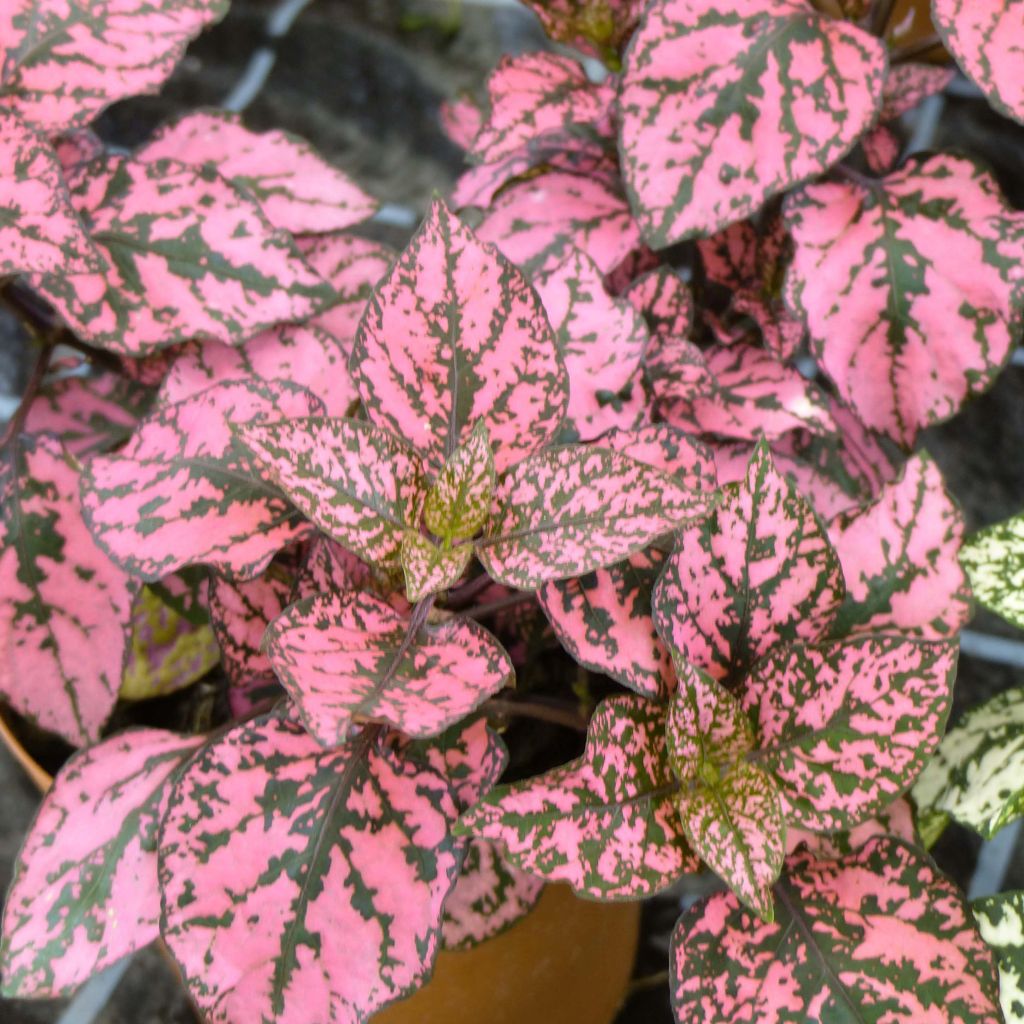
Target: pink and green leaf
(878, 935)
(908, 301)
(846, 727)
(607, 823)
(430, 569)
(602, 27)
(85, 891)
(179, 493)
(899, 558)
(665, 302)
(757, 573)
(350, 657)
(570, 510)
(188, 256)
(987, 39)
(455, 336)
(296, 188)
(343, 858)
(602, 340)
(66, 610)
(64, 60)
(357, 482)
(724, 105)
(459, 501)
(41, 231)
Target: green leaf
(428, 568)
(1001, 923)
(994, 560)
(977, 774)
(460, 500)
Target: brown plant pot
(568, 961)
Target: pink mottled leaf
(664, 300)
(343, 858)
(430, 569)
(987, 39)
(351, 657)
(188, 256)
(297, 189)
(179, 493)
(881, 149)
(607, 823)
(847, 726)
(459, 501)
(729, 809)
(604, 619)
(878, 935)
(752, 394)
(536, 223)
(89, 414)
(602, 27)
(40, 231)
(570, 510)
(724, 105)
(357, 482)
(303, 354)
(537, 94)
(65, 60)
(461, 119)
(899, 558)
(240, 612)
(602, 341)
(351, 266)
(896, 820)
(76, 147)
(906, 85)
(906, 298)
(756, 573)
(455, 336)
(65, 614)
(85, 892)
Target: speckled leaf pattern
(430, 569)
(1001, 923)
(987, 39)
(597, 26)
(570, 510)
(604, 621)
(689, 461)
(303, 354)
(88, 414)
(752, 394)
(602, 341)
(78, 147)
(351, 657)
(297, 189)
(342, 857)
(994, 560)
(461, 119)
(757, 573)
(906, 297)
(180, 493)
(65, 614)
(358, 483)
(65, 60)
(906, 85)
(455, 336)
(537, 223)
(459, 500)
(846, 727)
(240, 613)
(665, 302)
(882, 149)
(879, 935)
(85, 892)
(537, 94)
(977, 775)
(351, 266)
(607, 823)
(188, 256)
(899, 558)
(40, 231)
(724, 105)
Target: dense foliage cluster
(570, 408)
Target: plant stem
(649, 981)
(881, 12)
(856, 177)
(31, 390)
(481, 611)
(461, 597)
(902, 54)
(554, 714)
